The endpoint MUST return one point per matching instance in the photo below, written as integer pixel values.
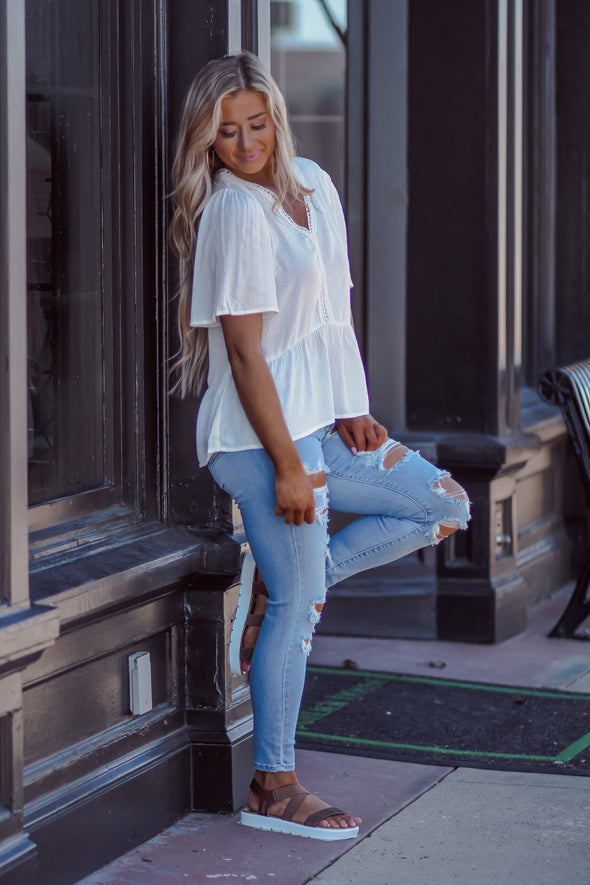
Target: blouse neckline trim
(273, 197)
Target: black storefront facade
(463, 175)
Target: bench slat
(569, 388)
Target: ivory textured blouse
(251, 257)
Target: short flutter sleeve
(234, 260)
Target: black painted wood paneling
(572, 315)
(89, 698)
(451, 361)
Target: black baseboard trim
(18, 860)
(84, 762)
(222, 774)
(101, 781)
(86, 824)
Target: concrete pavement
(479, 828)
(422, 825)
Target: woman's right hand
(261, 403)
(295, 496)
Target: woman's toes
(332, 823)
(340, 822)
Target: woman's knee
(448, 488)
(386, 456)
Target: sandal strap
(314, 819)
(269, 797)
(297, 795)
(293, 805)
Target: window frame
(104, 549)
(14, 588)
(128, 197)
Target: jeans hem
(274, 769)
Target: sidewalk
(422, 825)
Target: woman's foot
(248, 617)
(310, 805)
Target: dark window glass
(66, 305)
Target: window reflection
(64, 297)
(308, 60)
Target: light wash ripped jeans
(405, 505)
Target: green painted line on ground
(336, 702)
(423, 749)
(574, 749)
(434, 680)
(371, 680)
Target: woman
(284, 424)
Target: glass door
(308, 61)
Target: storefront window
(66, 308)
(308, 60)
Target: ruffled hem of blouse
(326, 363)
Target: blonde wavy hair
(193, 172)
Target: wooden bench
(569, 388)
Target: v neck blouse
(252, 257)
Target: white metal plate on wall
(140, 683)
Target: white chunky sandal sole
(247, 570)
(290, 828)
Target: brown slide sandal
(285, 824)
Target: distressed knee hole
(318, 479)
(394, 455)
(315, 612)
(446, 527)
(314, 615)
(389, 456)
(446, 487)
(318, 482)
(306, 645)
(449, 488)
(321, 507)
(316, 473)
